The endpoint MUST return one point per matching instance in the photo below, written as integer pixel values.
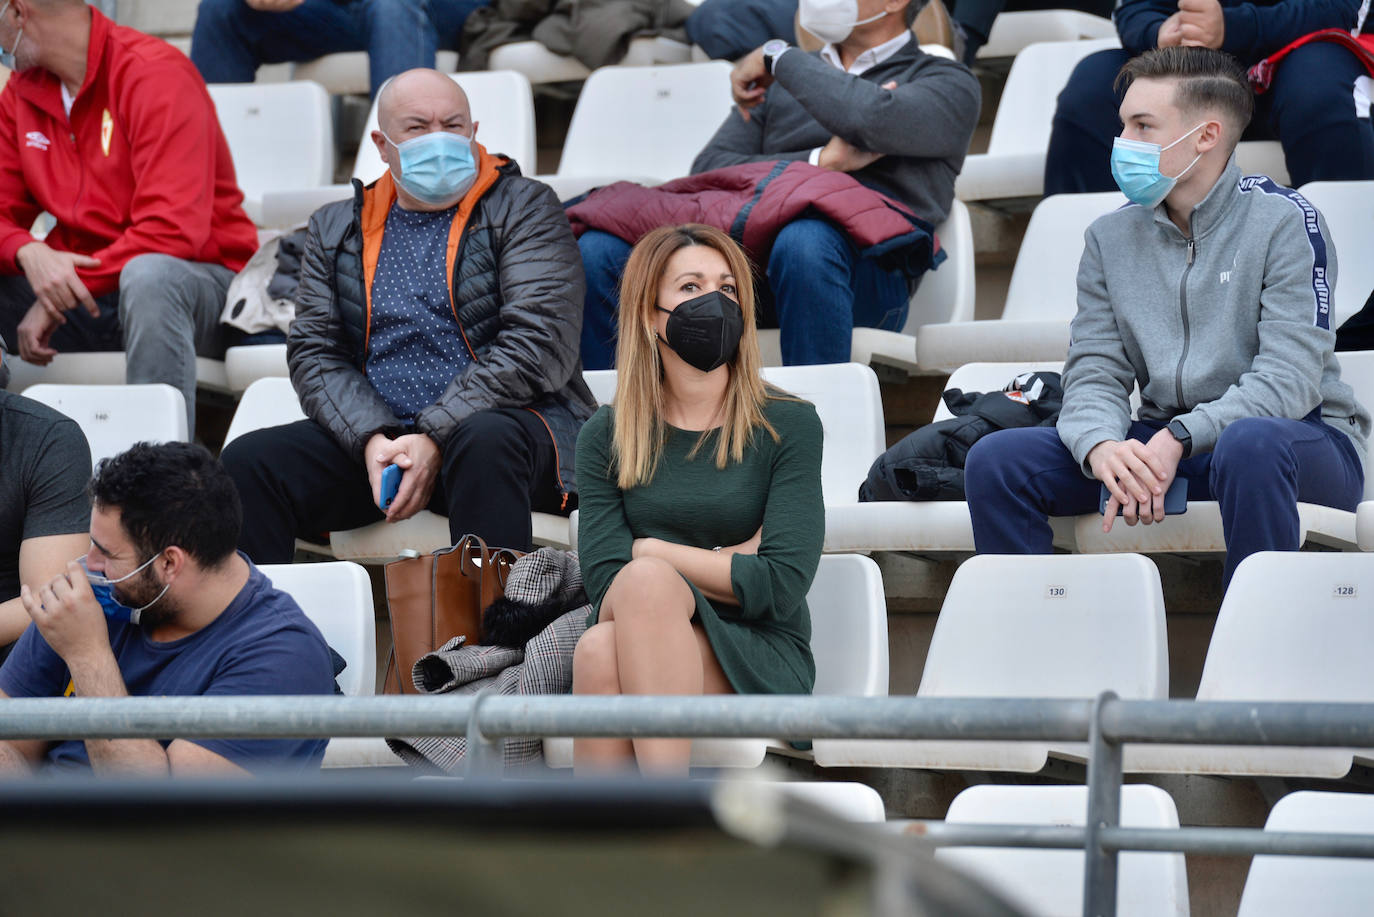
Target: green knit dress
(764, 643)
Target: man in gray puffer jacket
(437, 327)
(1213, 293)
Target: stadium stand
(1289, 629)
(1025, 626)
(114, 417)
(541, 65)
(1050, 882)
(1316, 887)
(848, 640)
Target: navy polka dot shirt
(416, 347)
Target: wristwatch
(1185, 439)
(772, 50)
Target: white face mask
(833, 20)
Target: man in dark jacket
(870, 103)
(436, 329)
(1317, 105)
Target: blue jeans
(1261, 468)
(819, 289)
(231, 39)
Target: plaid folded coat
(538, 581)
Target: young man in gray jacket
(1212, 291)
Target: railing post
(1104, 811)
(486, 758)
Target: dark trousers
(1261, 468)
(1312, 109)
(297, 481)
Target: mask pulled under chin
(705, 332)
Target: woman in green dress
(701, 518)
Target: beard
(141, 590)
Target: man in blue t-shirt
(163, 605)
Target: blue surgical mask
(436, 168)
(103, 587)
(1135, 166)
(7, 57)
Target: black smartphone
(1175, 499)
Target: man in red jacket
(113, 133)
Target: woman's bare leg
(595, 671)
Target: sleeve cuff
(1201, 429)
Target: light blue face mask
(7, 57)
(103, 587)
(1135, 166)
(436, 168)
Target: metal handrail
(1105, 723)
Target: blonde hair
(639, 426)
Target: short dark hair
(1205, 80)
(171, 494)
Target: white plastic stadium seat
(1292, 627)
(348, 72)
(847, 801)
(337, 596)
(1198, 531)
(1049, 883)
(114, 417)
(1279, 886)
(246, 364)
(1014, 165)
(945, 294)
(260, 121)
(1042, 297)
(268, 402)
(503, 107)
(541, 65)
(105, 368)
(1013, 31)
(1364, 524)
(646, 120)
(848, 641)
(1349, 210)
(1024, 626)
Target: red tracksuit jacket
(141, 165)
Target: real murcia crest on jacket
(106, 131)
(37, 140)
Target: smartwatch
(772, 50)
(1180, 432)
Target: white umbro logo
(37, 140)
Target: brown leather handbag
(433, 598)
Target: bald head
(422, 96)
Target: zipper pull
(1191, 249)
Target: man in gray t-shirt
(44, 511)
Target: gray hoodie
(1233, 321)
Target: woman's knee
(595, 670)
(648, 587)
